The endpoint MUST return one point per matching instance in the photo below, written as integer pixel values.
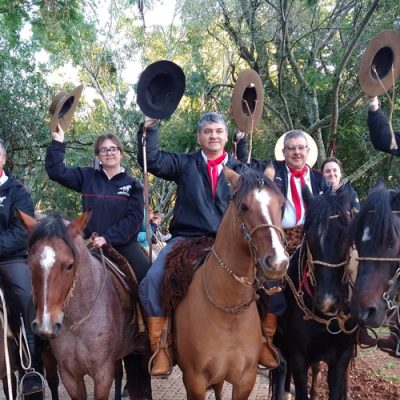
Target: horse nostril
(57, 327)
(35, 326)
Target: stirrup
(31, 374)
(150, 364)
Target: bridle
(298, 294)
(257, 282)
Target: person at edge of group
(142, 235)
(203, 195)
(381, 138)
(14, 271)
(113, 196)
(289, 175)
(332, 170)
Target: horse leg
(195, 385)
(137, 376)
(243, 389)
(336, 381)
(277, 378)
(13, 384)
(218, 390)
(315, 380)
(50, 366)
(74, 385)
(119, 373)
(300, 378)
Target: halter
(298, 294)
(256, 283)
(388, 296)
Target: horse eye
(243, 207)
(69, 267)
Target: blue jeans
(149, 288)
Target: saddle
(180, 265)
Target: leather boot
(269, 353)
(160, 362)
(391, 343)
(33, 383)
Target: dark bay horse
(314, 326)
(376, 234)
(217, 332)
(78, 308)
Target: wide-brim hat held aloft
(312, 145)
(160, 89)
(62, 108)
(247, 100)
(382, 53)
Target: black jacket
(13, 236)
(379, 132)
(196, 213)
(117, 204)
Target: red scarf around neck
(297, 173)
(212, 168)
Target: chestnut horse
(217, 331)
(376, 234)
(78, 308)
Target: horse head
(326, 231)
(376, 234)
(256, 210)
(53, 260)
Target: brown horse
(217, 330)
(78, 307)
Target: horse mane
(52, 226)
(377, 213)
(250, 180)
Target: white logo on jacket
(124, 190)
(1, 201)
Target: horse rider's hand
(238, 135)
(58, 135)
(148, 121)
(99, 241)
(373, 103)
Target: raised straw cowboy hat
(247, 100)
(382, 52)
(160, 89)
(62, 108)
(312, 155)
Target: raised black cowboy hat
(383, 53)
(160, 89)
(62, 108)
(247, 100)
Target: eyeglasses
(299, 148)
(104, 150)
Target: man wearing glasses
(289, 175)
(114, 197)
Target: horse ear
(269, 172)
(380, 185)
(232, 177)
(26, 220)
(77, 226)
(307, 195)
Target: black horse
(376, 234)
(315, 325)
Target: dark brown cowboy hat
(247, 100)
(160, 89)
(62, 108)
(382, 52)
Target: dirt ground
(374, 376)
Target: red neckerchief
(297, 173)
(212, 168)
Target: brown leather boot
(269, 353)
(391, 343)
(160, 362)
